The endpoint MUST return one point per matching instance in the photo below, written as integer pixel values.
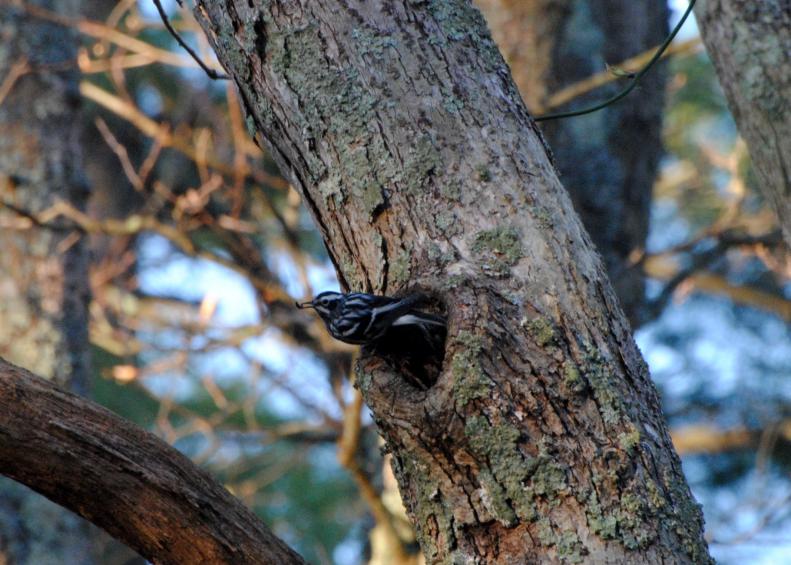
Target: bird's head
(324, 303)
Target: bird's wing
(419, 318)
(382, 317)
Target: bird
(367, 319)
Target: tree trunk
(44, 291)
(749, 43)
(543, 439)
(608, 161)
(124, 479)
(43, 273)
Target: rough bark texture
(749, 43)
(124, 479)
(543, 439)
(43, 273)
(608, 161)
(43, 277)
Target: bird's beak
(308, 304)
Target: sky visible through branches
(196, 338)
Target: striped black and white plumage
(366, 319)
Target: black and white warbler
(366, 319)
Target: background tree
(44, 290)
(749, 43)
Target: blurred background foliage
(200, 248)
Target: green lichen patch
(605, 387)
(566, 542)
(685, 517)
(655, 497)
(422, 161)
(604, 525)
(433, 515)
(541, 330)
(400, 268)
(569, 547)
(543, 217)
(336, 99)
(359, 177)
(447, 223)
(525, 480)
(454, 281)
(350, 271)
(452, 104)
(461, 21)
(498, 249)
(572, 380)
(629, 440)
(483, 173)
(548, 479)
(632, 524)
(249, 124)
(498, 445)
(373, 44)
(363, 380)
(495, 499)
(438, 256)
(545, 534)
(450, 189)
(469, 380)
(628, 522)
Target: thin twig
(214, 75)
(577, 89)
(123, 155)
(634, 80)
(14, 73)
(100, 31)
(160, 132)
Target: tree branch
(124, 479)
(214, 75)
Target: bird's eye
(324, 302)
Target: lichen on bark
(497, 460)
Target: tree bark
(749, 43)
(608, 161)
(543, 439)
(124, 479)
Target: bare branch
(124, 479)
(209, 71)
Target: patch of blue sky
(172, 274)
(675, 229)
(300, 374)
(748, 519)
(149, 100)
(321, 276)
(165, 272)
(171, 384)
(715, 352)
(690, 28)
(348, 552)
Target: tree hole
(416, 351)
